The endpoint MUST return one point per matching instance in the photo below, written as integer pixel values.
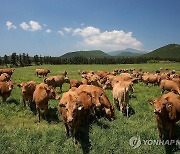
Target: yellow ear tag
(79, 108)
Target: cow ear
(172, 110)
(19, 85)
(151, 101)
(62, 105)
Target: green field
(20, 133)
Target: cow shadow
(12, 101)
(83, 135)
(53, 115)
(83, 139)
(172, 148)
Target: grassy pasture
(20, 133)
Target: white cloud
(93, 38)
(48, 31)
(24, 26)
(33, 26)
(68, 30)
(88, 31)
(10, 25)
(61, 33)
(82, 24)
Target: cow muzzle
(157, 110)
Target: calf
(5, 89)
(27, 90)
(121, 94)
(167, 112)
(41, 96)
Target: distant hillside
(127, 52)
(86, 54)
(168, 51)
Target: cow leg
(24, 103)
(38, 110)
(127, 109)
(162, 90)
(60, 88)
(172, 129)
(160, 132)
(74, 134)
(4, 98)
(46, 112)
(67, 130)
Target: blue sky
(54, 27)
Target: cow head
(71, 106)
(10, 85)
(66, 79)
(158, 104)
(52, 93)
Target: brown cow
(167, 112)
(99, 99)
(4, 77)
(121, 94)
(5, 89)
(169, 86)
(41, 96)
(75, 83)
(9, 71)
(42, 72)
(56, 81)
(27, 90)
(70, 107)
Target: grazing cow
(42, 72)
(9, 71)
(56, 81)
(75, 83)
(151, 78)
(5, 89)
(99, 100)
(169, 86)
(27, 90)
(70, 107)
(41, 96)
(167, 112)
(4, 77)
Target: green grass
(20, 133)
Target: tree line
(21, 60)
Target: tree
(14, 59)
(5, 60)
(36, 60)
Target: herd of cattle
(87, 97)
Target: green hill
(168, 51)
(128, 54)
(86, 54)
